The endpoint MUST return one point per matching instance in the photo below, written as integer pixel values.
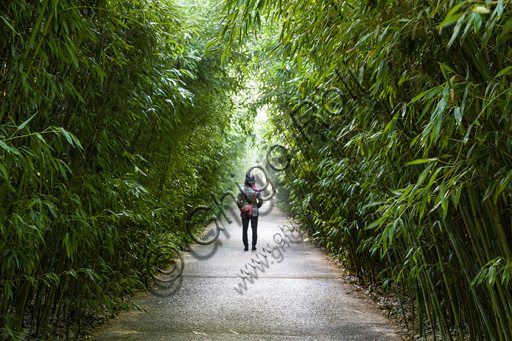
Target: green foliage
(398, 118)
(112, 123)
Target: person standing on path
(249, 195)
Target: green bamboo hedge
(398, 118)
(112, 123)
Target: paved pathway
(297, 295)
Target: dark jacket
(248, 195)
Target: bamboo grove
(112, 123)
(397, 115)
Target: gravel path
(293, 292)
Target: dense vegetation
(397, 114)
(398, 117)
(112, 123)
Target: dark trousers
(254, 227)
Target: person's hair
(249, 179)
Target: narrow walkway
(297, 295)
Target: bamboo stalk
(448, 287)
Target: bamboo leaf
(506, 71)
(9, 148)
(458, 115)
(451, 17)
(4, 171)
(420, 161)
(26, 122)
(446, 67)
(456, 30)
(70, 138)
(499, 7)
(502, 186)
(9, 25)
